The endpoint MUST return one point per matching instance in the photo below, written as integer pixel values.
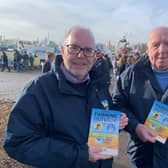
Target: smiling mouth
(82, 64)
(162, 58)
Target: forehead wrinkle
(157, 35)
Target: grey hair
(75, 28)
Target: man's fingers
(95, 149)
(95, 154)
(123, 121)
(98, 156)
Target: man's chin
(78, 75)
(162, 68)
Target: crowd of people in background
(20, 63)
(121, 62)
(113, 65)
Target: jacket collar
(97, 78)
(71, 78)
(147, 70)
(64, 85)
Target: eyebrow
(158, 42)
(81, 47)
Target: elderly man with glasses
(49, 124)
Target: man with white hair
(136, 90)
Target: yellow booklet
(158, 120)
(104, 130)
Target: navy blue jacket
(49, 124)
(135, 91)
(47, 67)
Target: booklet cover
(158, 120)
(104, 130)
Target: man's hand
(123, 121)
(94, 154)
(145, 134)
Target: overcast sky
(108, 19)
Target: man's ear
(62, 50)
(147, 49)
(95, 59)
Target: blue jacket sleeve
(27, 141)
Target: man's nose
(81, 54)
(163, 47)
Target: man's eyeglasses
(75, 49)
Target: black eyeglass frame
(79, 49)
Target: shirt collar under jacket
(71, 78)
(162, 78)
(159, 71)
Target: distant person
(31, 60)
(136, 56)
(136, 89)
(115, 68)
(48, 126)
(25, 58)
(18, 58)
(48, 62)
(121, 61)
(5, 61)
(102, 63)
(14, 61)
(129, 61)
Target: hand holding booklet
(104, 130)
(157, 120)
